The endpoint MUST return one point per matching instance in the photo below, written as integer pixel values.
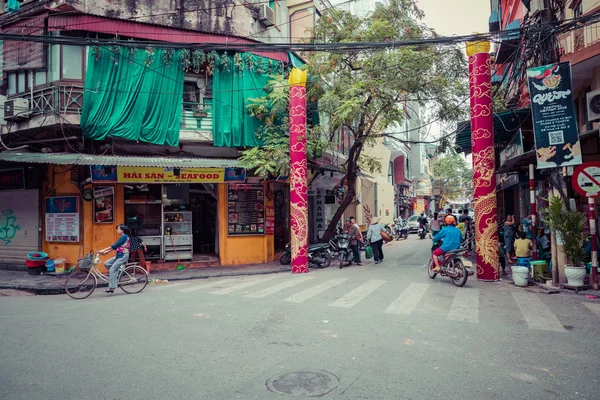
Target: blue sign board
(235, 175)
(103, 173)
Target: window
(196, 91)
(22, 82)
(39, 78)
(72, 62)
(578, 9)
(391, 173)
(71, 66)
(407, 168)
(12, 83)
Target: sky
(455, 17)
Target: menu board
(104, 199)
(246, 209)
(62, 219)
(270, 220)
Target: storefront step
(168, 266)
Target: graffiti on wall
(8, 226)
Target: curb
(60, 290)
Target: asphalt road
(373, 332)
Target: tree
(452, 177)
(366, 90)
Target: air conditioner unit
(537, 6)
(266, 15)
(593, 105)
(16, 109)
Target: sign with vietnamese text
(62, 219)
(170, 175)
(553, 111)
(270, 220)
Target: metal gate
(19, 225)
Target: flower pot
(200, 114)
(574, 275)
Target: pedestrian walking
(374, 237)
(509, 237)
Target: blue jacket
(452, 237)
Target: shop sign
(270, 220)
(513, 148)
(12, 179)
(62, 219)
(103, 173)
(104, 200)
(246, 209)
(553, 111)
(235, 175)
(170, 175)
(505, 180)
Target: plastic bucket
(520, 275)
(50, 265)
(59, 265)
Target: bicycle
(83, 281)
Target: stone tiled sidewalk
(54, 284)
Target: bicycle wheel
(80, 285)
(133, 279)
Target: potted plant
(199, 111)
(569, 226)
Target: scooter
(389, 230)
(422, 232)
(401, 230)
(344, 251)
(454, 264)
(319, 255)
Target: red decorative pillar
(298, 180)
(484, 171)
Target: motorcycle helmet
(450, 220)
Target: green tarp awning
(506, 125)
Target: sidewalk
(54, 284)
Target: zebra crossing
(407, 300)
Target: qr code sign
(556, 137)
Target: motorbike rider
(452, 237)
(423, 221)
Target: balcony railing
(197, 116)
(579, 39)
(54, 99)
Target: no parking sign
(586, 179)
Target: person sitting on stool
(523, 248)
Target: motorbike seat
(317, 246)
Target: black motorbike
(344, 251)
(422, 231)
(319, 255)
(453, 264)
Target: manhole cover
(303, 383)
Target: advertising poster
(553, 111)
(103, 173)
(62, 219)
(104, 200)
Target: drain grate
(303, 383)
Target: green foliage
(273, 159)
(452, 176)
(569, 225)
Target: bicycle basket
(85, 263)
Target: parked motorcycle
(319, 255)
(389, 230)
(453, 264)
(422, 231)
(401, 230)
(345, 252)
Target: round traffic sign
(586, 179)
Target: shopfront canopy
(124, 161)
(505, 126)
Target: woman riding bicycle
(112, 265)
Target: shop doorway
(281, 201)
(203, 205)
